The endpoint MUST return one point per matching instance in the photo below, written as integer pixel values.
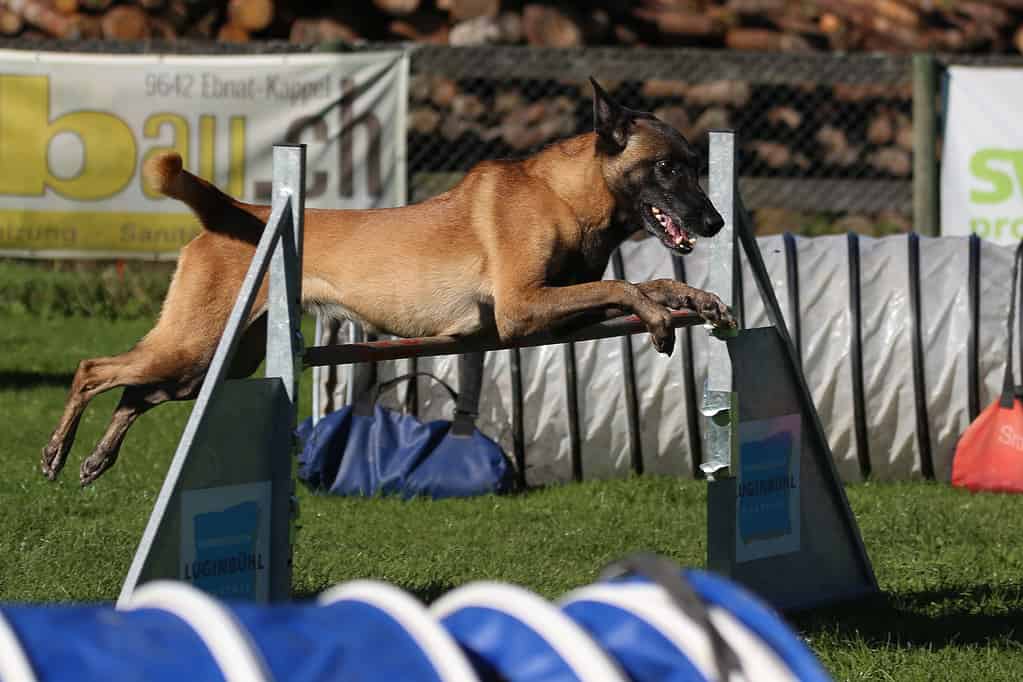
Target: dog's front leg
(680, 296)
(526, 311)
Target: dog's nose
(713, 221)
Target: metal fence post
(925, 157)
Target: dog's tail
(165, 173)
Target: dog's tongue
(670, 227)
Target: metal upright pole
(717, 405)
(925, 155)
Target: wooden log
(904, 132)
(125, 22)
(892, 160)
(547, 26)
(951, 40)
(714, 118)
(786, 116)
(765, 40)
(984, 13)
(675, 116)
(467, 106)
(664, 88)
(463, 10)
(680, 22)
(511, 27)
(798, 23)
(44, 17)
(11, 23)
(626, 35)
(232, 33)
(507, 101)
(421, 28)
(161, 29)
(325, 30)
(719, 93)
(772, 154)
(443, 92)
(861, 92)
(250, 16)
(831, 23)
(397, 7)
(755, 7)
(881, 128)
(423, 120)
(894, 10)
(476, 31)
(66, 6)
(835, 147)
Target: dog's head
(652, 170)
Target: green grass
(950, 564)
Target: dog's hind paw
(94, 466)
(52, 461)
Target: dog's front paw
(662, 333)
(713, 309)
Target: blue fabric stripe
(505, 648)
(642, 651)
(98, 644)
(348, 640)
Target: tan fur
(516, 247)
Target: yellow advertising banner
(75, 130)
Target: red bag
(989, 455)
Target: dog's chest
(584, 263)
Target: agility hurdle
(778, 519)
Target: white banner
(75, 130)
(982, 157)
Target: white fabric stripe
(567, 638)
(229, 643)
(14, 663)
(436, 643)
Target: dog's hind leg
(138, 367)
(138, 399)
(135, 401)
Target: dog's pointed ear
(611, 121)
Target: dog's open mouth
(675, 236)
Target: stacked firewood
(772, 25)
(832, 131)
(235, 20)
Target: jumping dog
(518, 246)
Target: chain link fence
(826, 141)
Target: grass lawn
(950, 563)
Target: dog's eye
(666, 166)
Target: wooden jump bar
(396, 349)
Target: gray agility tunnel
(645, 619)
(901, 340)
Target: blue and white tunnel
(622, 628)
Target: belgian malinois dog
(515, 248)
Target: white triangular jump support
(778, 520)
